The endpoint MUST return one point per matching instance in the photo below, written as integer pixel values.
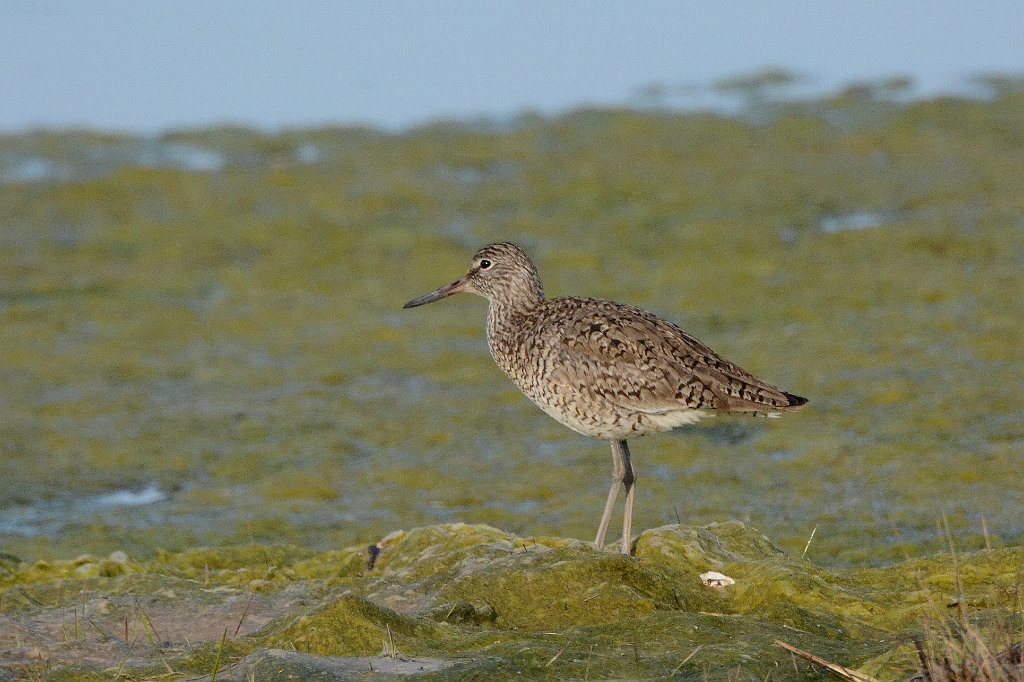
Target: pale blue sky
(145, 65)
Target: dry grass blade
(244, 614)
(147, 624)
(967, 657)
(834, 668)
(103, 635)
(958, 651)
(120, 666)
(922, 657)
(683, 662)
(220, 652)
(555, 657)
(390, 650)
(808, 545)
(961, 602)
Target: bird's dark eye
(484, 264)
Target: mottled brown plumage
(604, 369)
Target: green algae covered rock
(468, 600)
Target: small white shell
(716, 579)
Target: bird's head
(501, 273)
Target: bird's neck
(505, 315)
(521, 295)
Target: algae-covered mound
(454, 601)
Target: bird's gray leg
(628, 481)
(618, 474)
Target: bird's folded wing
(643, 363)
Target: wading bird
(604, 369)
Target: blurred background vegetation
(201, 338)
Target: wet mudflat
(202, 342)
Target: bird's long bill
(437, 294)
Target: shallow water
(230, 336)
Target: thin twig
(834, 668)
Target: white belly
(615, 423)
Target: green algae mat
(473, 602)
(214, 353)
(202, 345)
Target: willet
(604, 369)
